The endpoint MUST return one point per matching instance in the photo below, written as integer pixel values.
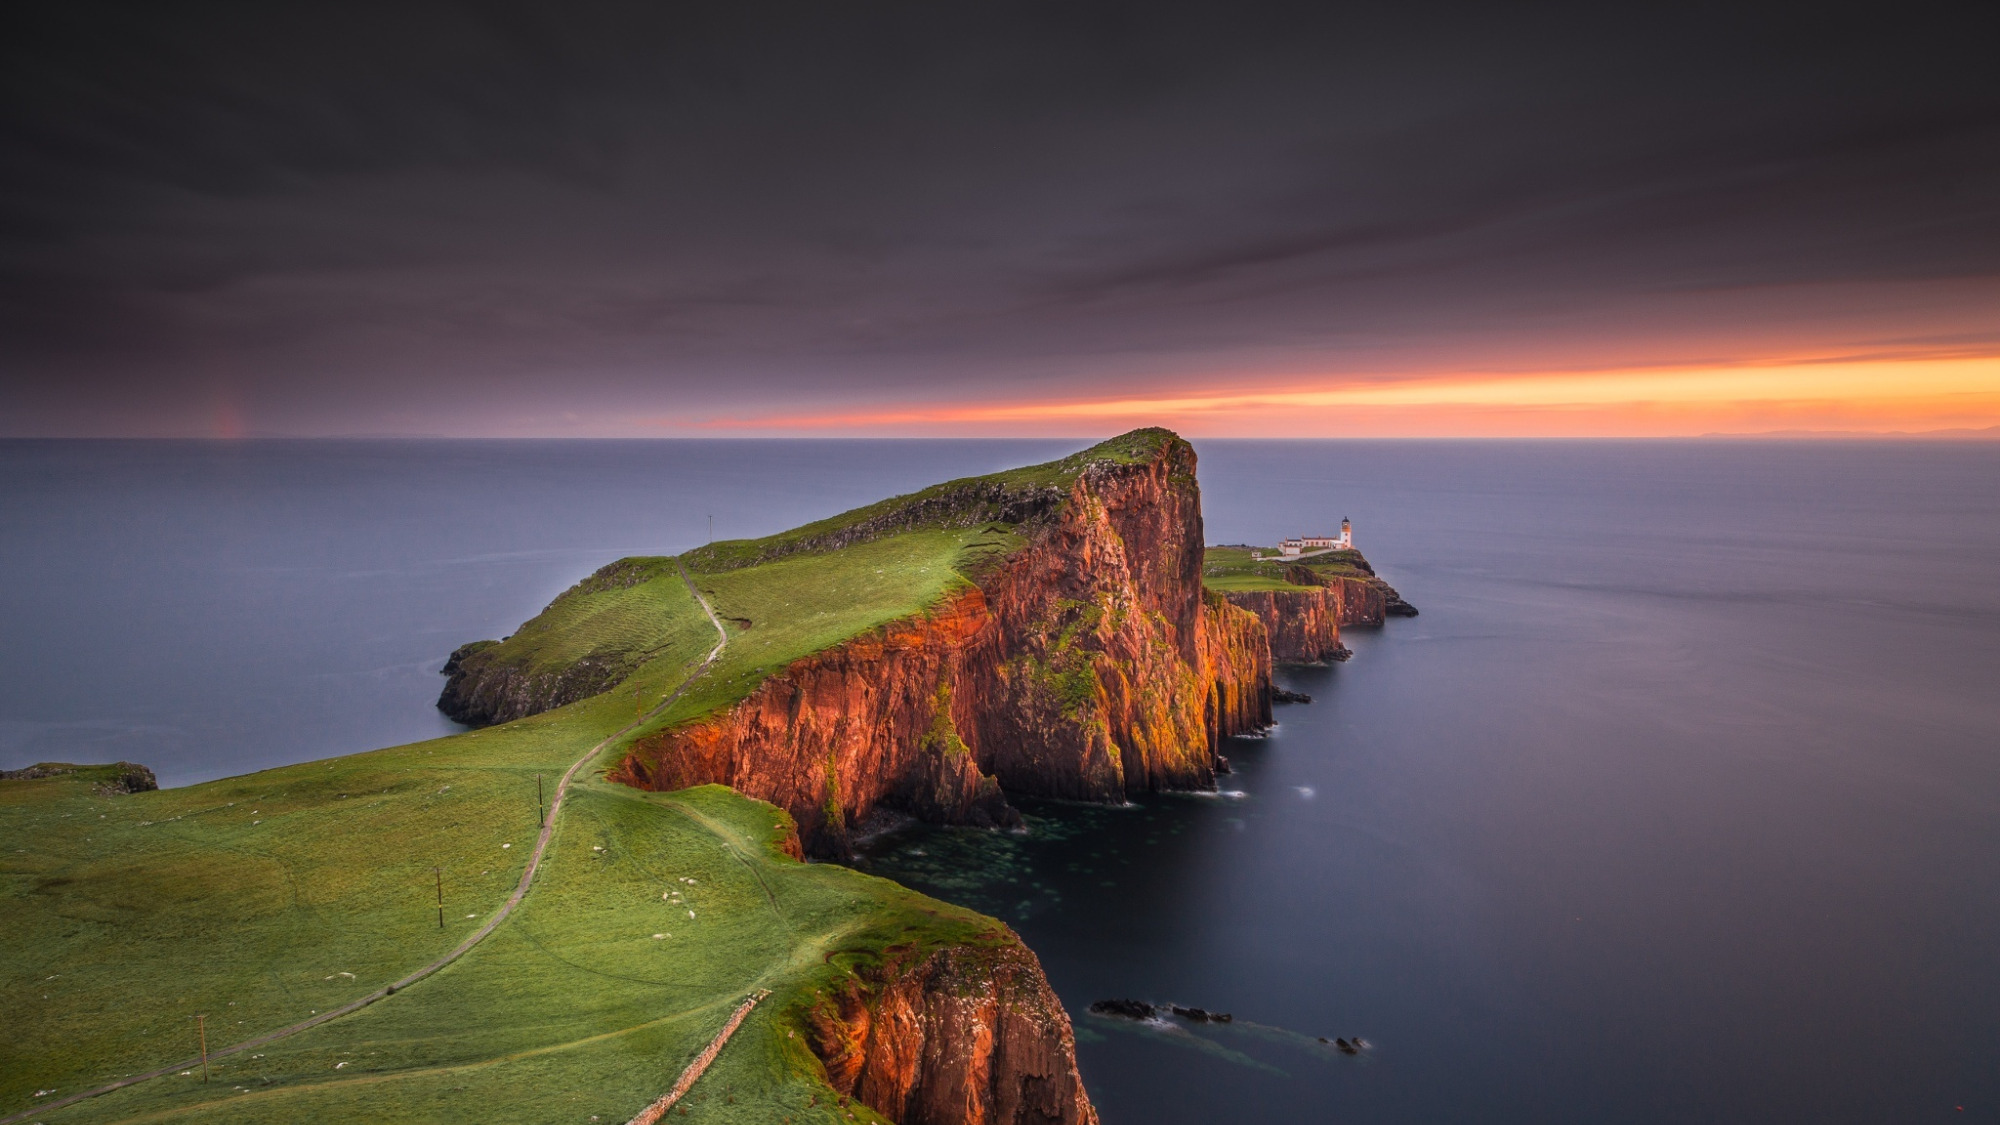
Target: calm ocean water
(1681, 801)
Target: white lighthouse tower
(1346, 534)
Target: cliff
(1086, 663)
(1372, 599)
(969, 1034)
(484, 691)
(1303, 623)
(1305, 604)
(1355, 600)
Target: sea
(1680, 801)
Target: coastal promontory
(595, 903)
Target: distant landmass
(1990, 433)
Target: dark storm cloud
(408, 216)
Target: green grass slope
(261, 900)
(781, 611)
(1231, 568)
(968, 502)
(622, 615)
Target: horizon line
(1942, 434)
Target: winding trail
(479, 935)
(652, 1113)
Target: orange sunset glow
(1831, 393)
(1284, 237)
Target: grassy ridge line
(781, 612)
(479, 935)
(592, 635)
(1012, 496)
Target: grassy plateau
(1227, 569)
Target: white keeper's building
(1292, 548)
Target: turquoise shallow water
(1680, 801)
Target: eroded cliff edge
(1087, 664)
(1304, 606)
(968, 1034)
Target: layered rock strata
(1088, 665)
(1303, 623)
(966, 1035)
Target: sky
(660, 219)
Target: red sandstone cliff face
(1088, 665)
(1303, 623)
(1359, 601)
(968, 1035)
(1238, 648)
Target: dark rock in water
(1324, 1039)
(1222, 765)
(1280, 695)
(1342, 654)
(1130, 1009)
(1201, 1015)
(1346, 1048)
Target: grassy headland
(260, 900)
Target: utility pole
(201, 1029)
(711, 527)
(542, 813)
(439, 872)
